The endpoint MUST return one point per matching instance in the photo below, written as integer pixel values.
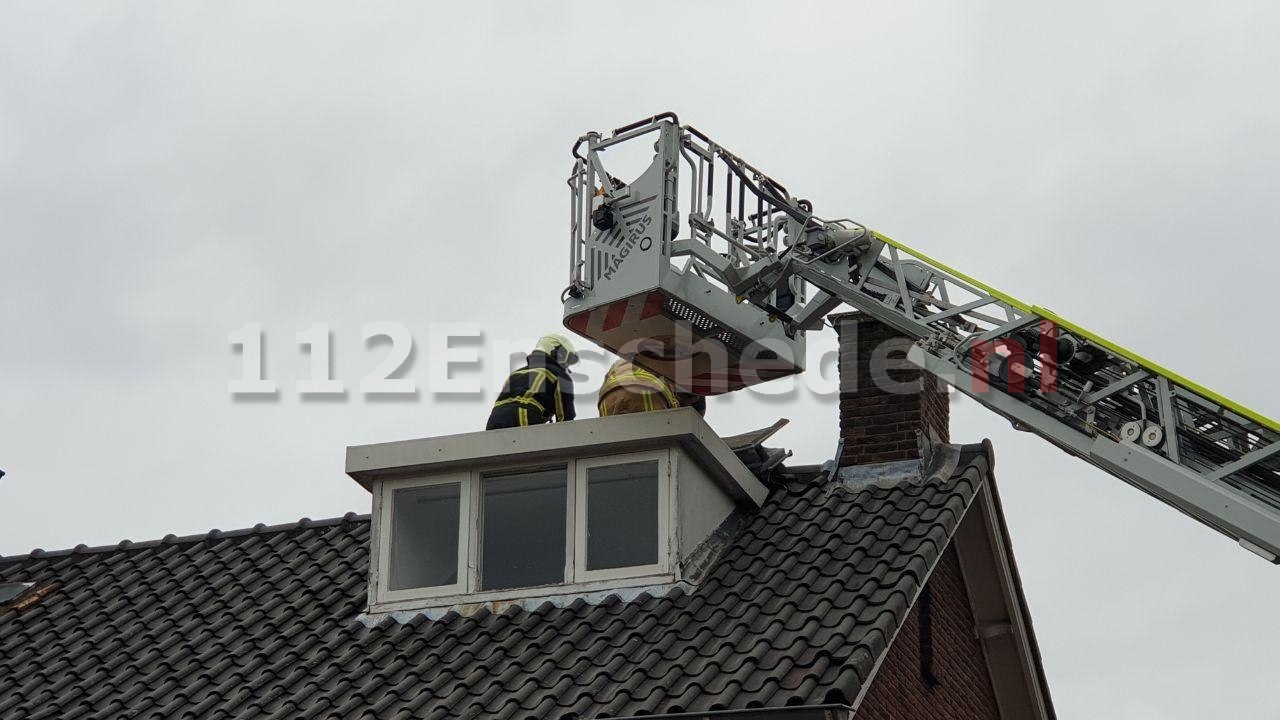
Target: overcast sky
(169, 172)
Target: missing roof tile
(10, 591)
(20, 595)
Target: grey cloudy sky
(170, 171)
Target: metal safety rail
(1194, 449)
(732, 213)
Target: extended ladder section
(723, 299)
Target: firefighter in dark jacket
(539, 391)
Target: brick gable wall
(899, 690)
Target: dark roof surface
(263, 623)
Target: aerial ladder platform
(706, 270)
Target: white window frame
(386, 513)
(577, 579)
(478, 479)
(582, 574)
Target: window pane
(424, 536)
(524, 527)
(622, 515)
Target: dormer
(608, 505)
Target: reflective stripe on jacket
(543, 385)
(635, 379)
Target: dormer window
(622, 505)
(426, 533)
(532, 512)
(523, 521)
(585, 520)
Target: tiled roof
(264, 623)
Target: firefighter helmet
(558, 348)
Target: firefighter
(629, 388)
(539, 391)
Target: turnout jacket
(630, 388)
(534, 394)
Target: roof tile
(263, 622)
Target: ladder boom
(753, 269)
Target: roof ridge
(171, 539)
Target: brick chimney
(884, 399)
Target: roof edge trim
(869, 680)
(606, 435)
(1001, 616)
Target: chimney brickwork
(884, 399)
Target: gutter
(794, 712)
